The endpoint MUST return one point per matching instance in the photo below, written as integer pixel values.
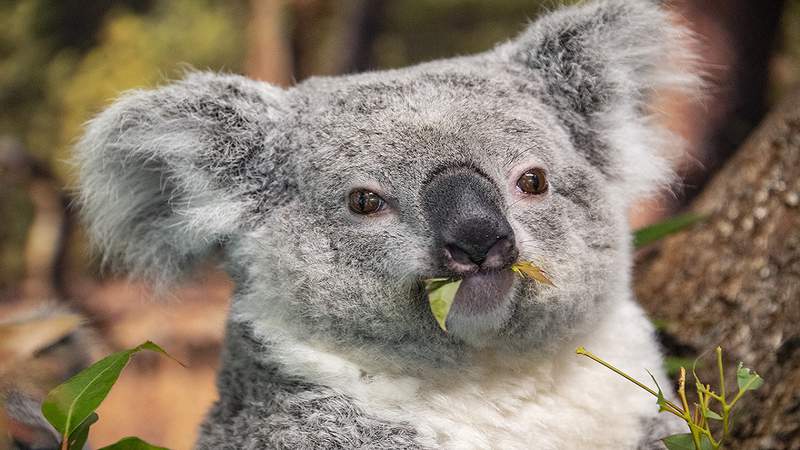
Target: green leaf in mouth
(442, 291)
(527, 269)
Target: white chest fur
(563, 402)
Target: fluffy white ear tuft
(600, 67)
(166, 176)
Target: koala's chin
(482, 307)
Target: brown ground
(155, 398)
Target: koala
(330, 202)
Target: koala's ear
(599, 67)
(167, 175)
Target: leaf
(685, 442)
(435, 283)
(655, 232)
(153, 347)
(661, 401)
(747, 379)
(441, 298)
(68, 405)
(673, 364)
(679, 442)
(710, 414)
(527, 269)
(78, 437)
(132, 443)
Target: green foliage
(138, 50)
(700, 436)
(441, 293)
(673, 364)
(685, 442)
(658, 231)
(77, 439)
(62, 61)
(132, 443)
(785, 72)
(15, 209)
(70, 407)
(747, 380)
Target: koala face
(333, 200)
(444, 150)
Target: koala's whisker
(511, 205)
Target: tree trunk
(734, 279)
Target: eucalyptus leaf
(710, 414)
(77, 440)
(68, 405)
(440, 297)
(442, 291)
(661, 401)
(747, 379)
(529, 270)
(673, 364)
(685, 442)
(435, 283)
(655, 232)
(132, 443)
(679, 442)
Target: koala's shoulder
(260, 407)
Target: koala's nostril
(502, 254)
(456, 254)
(492, 253)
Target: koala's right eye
(365, 202)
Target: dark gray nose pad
(490, 254)
(464, 210)
(502, 254)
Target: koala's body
(333, 200)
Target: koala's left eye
(365, 202)
(533, 181)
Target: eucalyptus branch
(700, 434)
(674, 409)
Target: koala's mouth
(481, 293)
(482, 304)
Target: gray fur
(218, 161)
(659, 427)
(264, 408)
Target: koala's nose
(484, 251)
(464, 211)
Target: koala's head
(333, 200)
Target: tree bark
(734, 279)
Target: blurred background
(63, 61)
